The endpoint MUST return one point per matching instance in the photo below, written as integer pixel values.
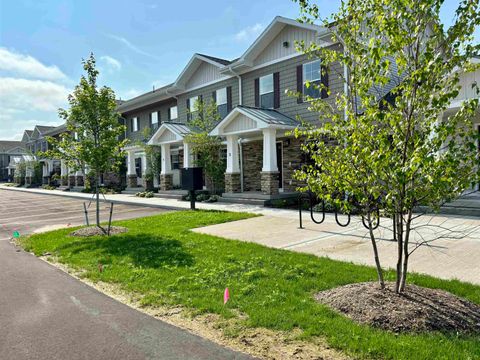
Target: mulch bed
(417, 310)
(95, 231)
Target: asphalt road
(47, 314)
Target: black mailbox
(192, 178)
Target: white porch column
(131, 163)
(187, 156)
(232, 155)
(166, 160)
(63, 168)
(45, 169)
(79, 172)
(144, 163)
(269, 151)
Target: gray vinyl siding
(288, 80)
(206, 93)
(144, 118)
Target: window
(175, 160)
(221, 100)
(173, 111)
(154, 120)
(192, 103)
(134, 124)
(311, 79)
(266, 91)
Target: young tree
(207, 148)
(92, 139)
(384, 145)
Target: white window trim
(260, 87)
(176, 112)
(311, 81)
(226, 96)
(154, 117)
(191, 103)
(135, 124)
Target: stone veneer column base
(166, 182)
(132, 181)
(46, 180)
(28, 180)
(270, 182)
(79, 181)
(64, 181)
(71, 180)
(232, 183)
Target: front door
(280, 165)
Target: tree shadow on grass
(142, 250)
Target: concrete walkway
(454, 254)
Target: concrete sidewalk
(454, 256)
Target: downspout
(240, 97)
(241, 162)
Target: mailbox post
(192, 179)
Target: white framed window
(222, 102)
(311, 79)
(173, 112)
(154, 120)
(134, 124)
(266, 91)
(192, 102)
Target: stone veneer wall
(252, 153)
(292, 160)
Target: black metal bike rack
(339, 223)
(376, 225)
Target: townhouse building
(9, 151)
(256, 112)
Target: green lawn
(163, 260)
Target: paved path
(47, 314)
(455, 256)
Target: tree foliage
(384, 145)
(92, 139)
(207, 148)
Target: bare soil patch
(95, 231)
(417, 310)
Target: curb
(121, 202)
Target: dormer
(277, 42)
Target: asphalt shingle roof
(216, 59)
(269, 116)
(6, 145)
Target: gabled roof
(146, 99)
(268, 35)
(192, 66)
(27, 134)
(43, 129)
(176, 132)
(260, 118)
(7, 146)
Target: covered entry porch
(260, 157)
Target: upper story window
(266, 91)
(154, 120)
(311, 79)
(222, 102)
(192, 103)
(134, 124)
(173, 113)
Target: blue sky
(138, 44)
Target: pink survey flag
(226, 296)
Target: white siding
(466, 81)
(276, 50)
(205, 73)
(240, 123)
(166, 137)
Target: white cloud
(28, 66)
(113, 63)
(24, 94)
(131, 46)
(249, 33)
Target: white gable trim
(190, 68)
(228, 127)
(165, 135)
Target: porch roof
(243, 119)
(169, 133)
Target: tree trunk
(97, 196)
(398, 233)
(375, 252)
(405, 252)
